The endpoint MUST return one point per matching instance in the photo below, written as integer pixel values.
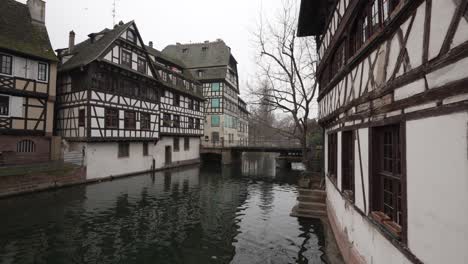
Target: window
(112, 118)
(127, 58)
(332, 156)
(124, 150)
(386, 187)
(190, 104)
(215, 103)
(190, 122)
(185, 50)
(388, 7)
(347, 164)
(186, 143)
(141, 65)
(129, 120)
(215, 87)
(200, 74)
(375, 16)
(176, 144)
(166, 120)
(197, 123)
(215, 121)
(176, 100)
(176, 121)
(81, 117)
(42, 72)
(4, 105)
(131, 36)
(197, 105)
(145, 148)
(26, 146)
(145, 121)
(5, 64)
(204, 49)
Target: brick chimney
(37, 11)
(151, 44)
(71, 41)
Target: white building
(394, 105)
(123, 108)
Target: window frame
(145, 121)
(129, 120)
(176, 121)
(123, 150)
(145, 149)
(176, 144)
(142, 65)
(81, 117)
(10, 63)
(7, 106)
(332, 160)
(110, 117)
(125, 62)
(213, 117)
(133, 34)
(347, 168)
(397, 177)
(166, 120)
(39, 73)
(186, 143)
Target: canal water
(207, 214)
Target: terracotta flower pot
(380, 217)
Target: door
(168, 155)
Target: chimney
(71, 41)
(37, 11)
(151, 44)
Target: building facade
(214, 66)
(394, 105)
(115, 105)
(28, 71)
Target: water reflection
(189, 216)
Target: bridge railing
(252, 143)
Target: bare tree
(288, 64)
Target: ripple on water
(188, 216)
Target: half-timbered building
(28, 68)
(109, 103)
(393, 102)
(214, 66)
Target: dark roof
(19, 34)
(87, 51)
(313, 17)
(168, 60)
(201, 55)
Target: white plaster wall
(437, 169)
(372, 245)
(182, 155)
(442, 13)
(102, 159)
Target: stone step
(311, 213)
(312, 192)
(312, 206)
(311, 198)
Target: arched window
(25, 146)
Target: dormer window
(185, 50)
(5, 64)
(131, 36)
(204, 49)
(200, 74)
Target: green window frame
(215, 87)
(215, 103)
(215, 120)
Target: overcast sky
(166, 22)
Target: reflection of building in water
(259, 164)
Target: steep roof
(313, 17)
(87, 51)
(19, 34)
(200, 55)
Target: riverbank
(45, 177)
